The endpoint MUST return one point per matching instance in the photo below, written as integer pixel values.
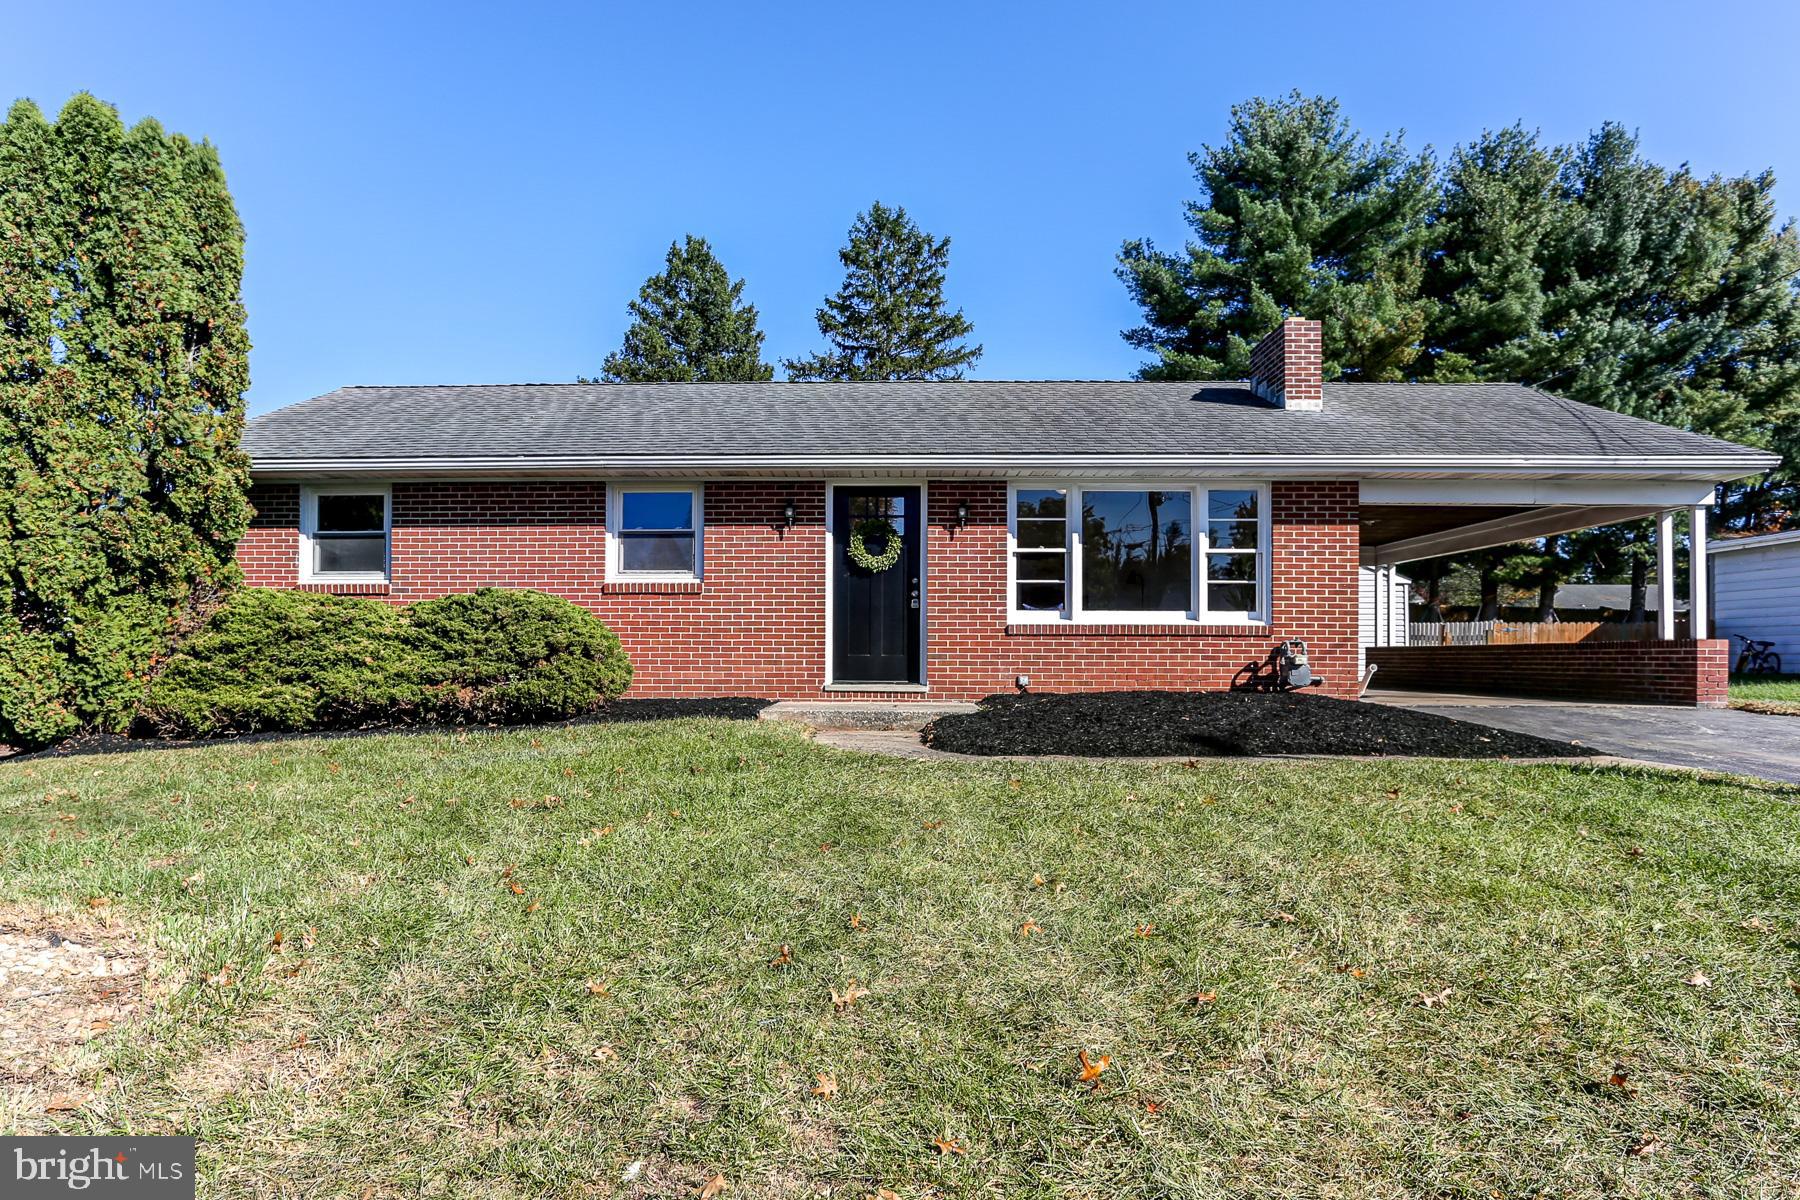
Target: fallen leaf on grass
(518, 889)
(1145, 930)
(1091, 1069)
(98, 902)
(1756, 924)
(1152, 1108)
(1435, 1000)
(785, 958)
(1286, 918)
(826, 1087)
(310, 938)
(948, 1146)
(62, 1103)
(276, 945)
(929, 825)
(1352, 972)
(1645, 1146)
(598, 987)
(1794, 986)
(606, 1052)
(225, 976)
(1699, 979)
(714, 1187)
(1029, 928)
(856, 921)
(1199, 998)
(848, 997)
(1037, 881)
(1621, 1078)
(533, 906)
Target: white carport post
(1697, 571)
(1665, 575)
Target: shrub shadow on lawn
(618, 712)
(1222, 724)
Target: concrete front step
(863, 714)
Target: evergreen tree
(889, 320)
(1297, 216)
(690, 326)
(123, 364)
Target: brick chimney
(1287, 367)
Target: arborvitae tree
(1297, 216)
(123, 364)
(889, 319)
(689, 326)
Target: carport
(1406, 520)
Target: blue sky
(464, 193)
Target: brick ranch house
(1075, 535)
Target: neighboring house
(1605, 602)
(1076, 535)
(1756, 592)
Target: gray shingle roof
(923, 419)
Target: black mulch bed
(1221, 724)
(726, 708)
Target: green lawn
(1771, 693)
(441, 1038)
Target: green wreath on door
(863, 532)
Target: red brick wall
(1685, 672)
(757, 624)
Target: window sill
(347, 587)
(1124, 629)
(651, 587)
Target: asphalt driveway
(1715, 739)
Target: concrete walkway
(1743, 743)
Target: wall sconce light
(962, 514)
(787, 514)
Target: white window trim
(615, 511)
(1074, 613)
(309, 524)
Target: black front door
(877, 590)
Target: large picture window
(654, 532)
(1117, 552)
(344, 534)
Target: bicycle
(1757, 658)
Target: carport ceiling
(1408, 533)
(1383, 523)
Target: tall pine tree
(889, 320)
(123, 366)
(1297, 216)
(690, 326)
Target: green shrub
(279, 660)
(518, 656)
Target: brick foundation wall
(1691, 673)
(756, 625)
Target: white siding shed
(1384, 596)
(1755, 585)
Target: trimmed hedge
(293, 661)
(519, 656)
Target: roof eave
(1720, 467)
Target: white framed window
(1138, 552)
(654, 532)
(345, 533)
